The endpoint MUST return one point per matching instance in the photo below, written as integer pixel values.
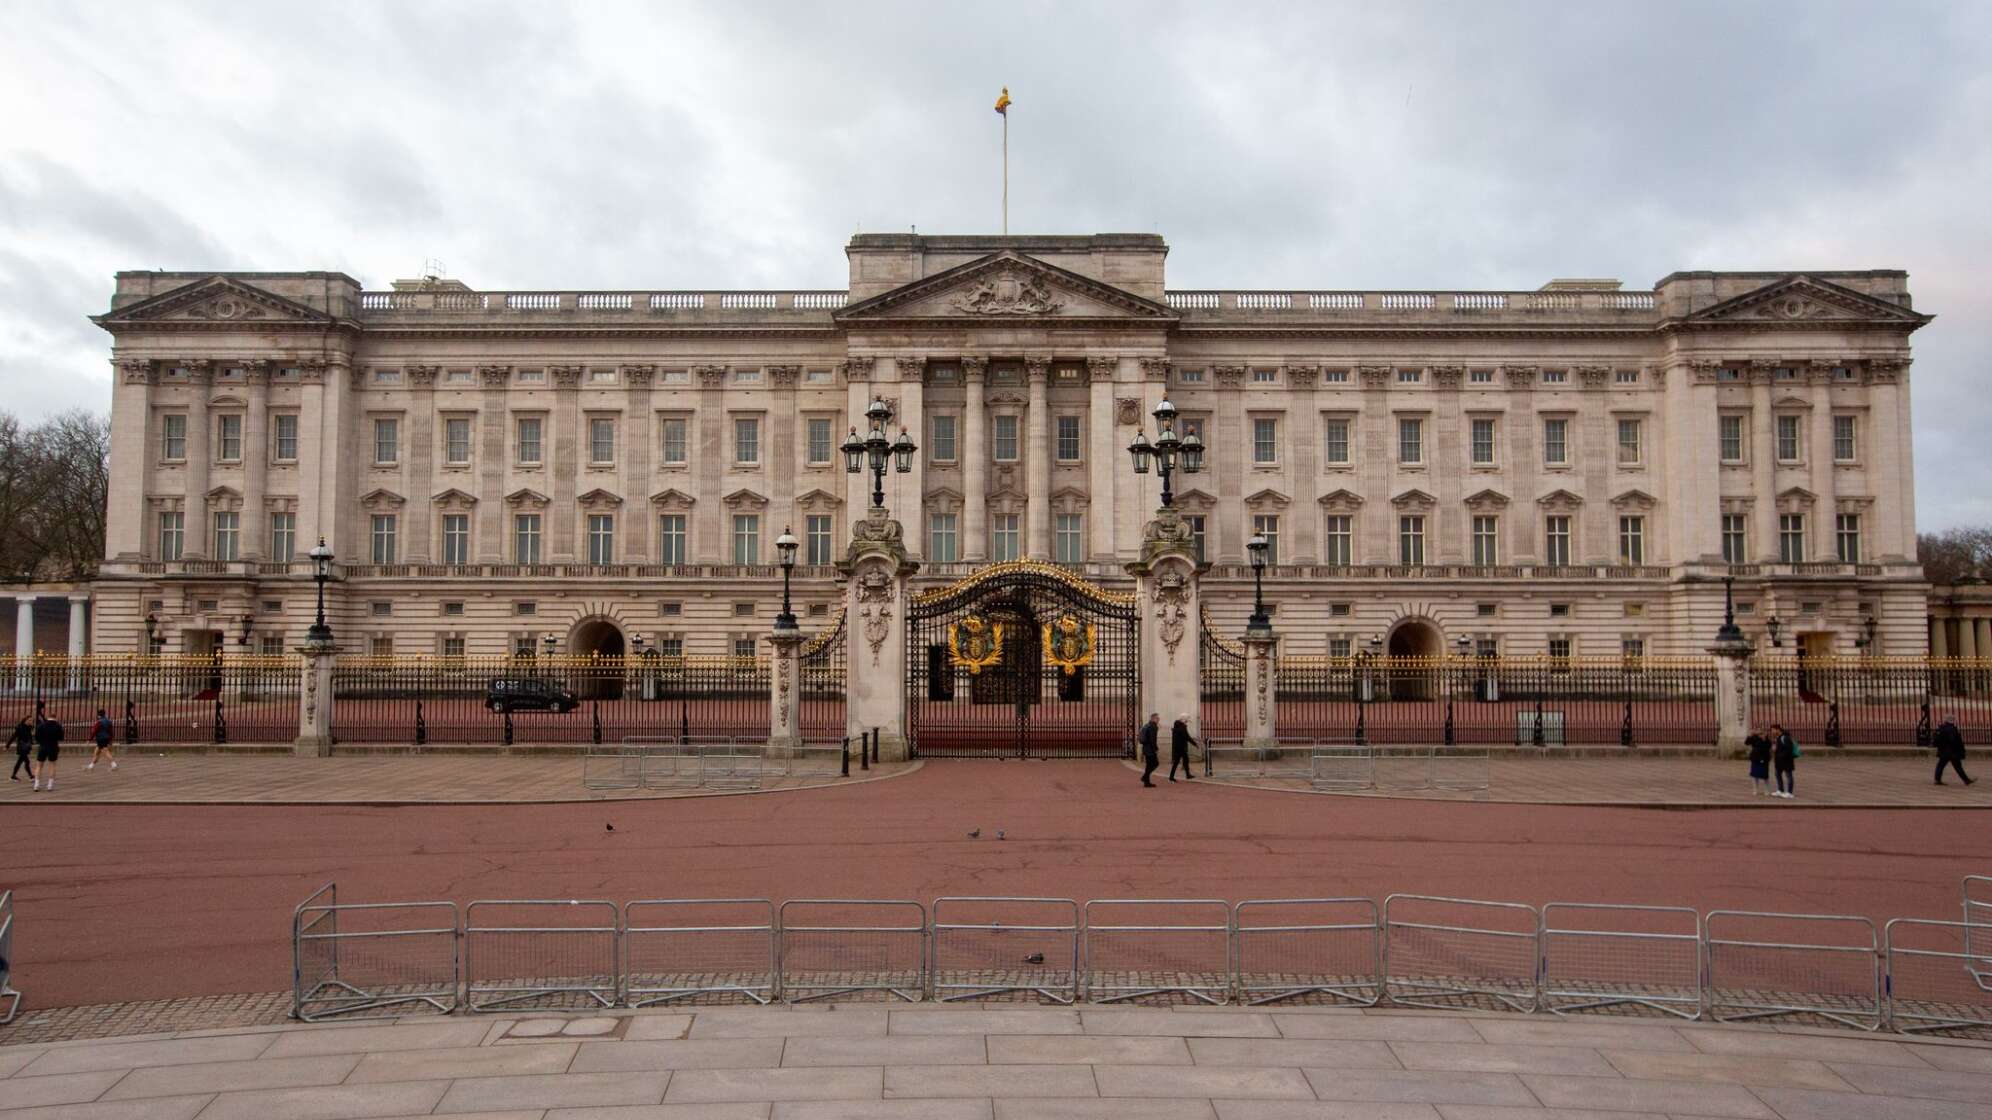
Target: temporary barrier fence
(353, 958)
(1344, 769)
(541, 953)
(1449, 953)
(694, 950)
(1599, 955)
(1315, 949)
(7, 991)
(1832, 975)
(608, 766)
(840, 947)
(729, 765)
(1460, 769)
(1137, 948)
(807, 760)
(1231, 758)
(989, 947)
(1934, 982)
(1978, 927)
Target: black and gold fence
(216, 698)
(1872, 701)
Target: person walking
(24, 748)
(48, 748)
(1760, 764)
(1949, 742)
(1784, 759)
(100, 734)
(1150, 756)
(1180, 742)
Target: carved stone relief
(1009, 292)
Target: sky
(738, 145)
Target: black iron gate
(1022, 660)
(1221, 671)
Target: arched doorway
(597, 637)
(1414, 649)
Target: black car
(528, 694)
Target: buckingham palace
(1569, 470)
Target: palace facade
(1570, 470)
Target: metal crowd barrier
(1935, 980)
(1978, 928)
(612, 766)
(1345, 768)
(348, 958)
(809, 760)
(1598, 955)
(1232, 758)
(835, 947)
(1834, 976)
(726, 764)
(981, 948)
(7, 991)
(1132, 956)
(685, 949)
(1287, 948)
(1435, 956)
(542, 953)
(667, 762)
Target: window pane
(1843, 439)
(387, 441)
(1849, 538)
(529, 440)
(601, 440)
(456, 538)
(456, 441)
(1632, 540)
(1196, 523)
(173, 437)
(674, 440)
(1730, 431)
(1337, 448)
(1486, 549)
(1791, 538)
(943, 443)
(1335, 543)
(171, 536)
(1265, 440)
(1734, 542)
(227, 535)
(941, 542)
(671, 538)
(816, 532)
(1005, 429)
(1483, 441)
(1628, 441)
(1004, 539)
(746, 538)
(1555, 441)
(1267, 525)
(746, 439)
(601, 538)
(1410, 540)
(526, 538)
(383, 538)
(231, 438)
(819, 440)
(1068, 439)
(1410, 440)
(1788, 445)
(283, 536)
(1556, 541)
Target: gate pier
(1165, 581)
(875, 571)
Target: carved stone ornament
(973, 367)
(1101, 368)
(1171, 611)
(495, 377)
(1593, 377)
(1155, 369)
(858, 368)
(877, 535)
(1520, 377)
(1229, 377)
(422, 377)
(1374, 377)
(782, 690)
(877, 590)
(1261, 654)
(1010, 292)
(1448, 377)
(784, 376)
(1302, 377)
(639, 377)
(136, 371)
(1886, 370)
(311, 372)
(1167, 534)
(1127, 410)
(1037, 367)
(200, 371)
(912, 367)
(1819, 371)
(710, 377)
(1705, 370)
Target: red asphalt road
(119, 903)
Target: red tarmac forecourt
(119, 903)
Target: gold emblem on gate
(1067, 644)
(975, 643)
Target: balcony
(1425, 308)
(387, 308)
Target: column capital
(565, 377)
(710, 377)
(1519, 377)
(1155, 369)
(638, 377)
(137, 371)
(1037, 367)
(1303, 377)
(858, 367)
(1592, 377)
(784, 376)
(973, 368)
(912, 367)
(1448, 377)
(422, 377)
(1377, 377)
(1101, 367)
(256, 372)
(1228, 377)
(495, 377)
(200, 371)
(1887, 370)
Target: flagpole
(1006, 174)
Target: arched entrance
(597, 637)
(1414, 649)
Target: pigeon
(974, 833)
(1034, 958)
(999, 834)
(609, 828)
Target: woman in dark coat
(1784, 760)
(1760, 764)
(24, 745)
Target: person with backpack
(100, 733)
(48, 748)
(1784, 759)
(24, 748)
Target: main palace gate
(1022, 660)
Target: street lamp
(876, 448)
(1257, 547)
(1169, 452)
(321, 571)
(1868, 629)
(247, 621)
(1730, 633)
(785, 545)
(1771, 627)
(552, 644)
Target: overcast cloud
(739, 144)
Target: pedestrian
(1180, 742)
(1760, 764)
(1150, 756)
(48, 748)
(1949, 742)
(1784, 759)
(100, 734)
(24, 747)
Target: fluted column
(1763, 465)
(419, 515)
(564, 467)
(640, 528)
(1523, 462)
(256, 460)
(199, 531)
(1038, 457)
(134, 449)
(974, 535)
(1232, 460)
(1825, 544)
(711, 531)
(1304, 451)
(491, 463)
(1101, 459)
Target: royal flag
(1003, 101)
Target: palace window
(746, 538)
(283, 537)
(816, 539)
(601, 440)
(1486, 538)
(1265, 441)
(1626, 377)
(601, 538)
(1483, 442)
(1336, 541)
(941, 444)
(1555, 376)
(674, 445)
(1335, 376)
(227, 535)
(671, 538)
(1265, 375)
(1789, 446)
(530, 449)
(747, 441)
(1410, 376)
(1791, 538)
(1729, 438)
(1336, 441)
(942, 539)
(1068, 439)
(384, 526)
(229, 446)
(1410, 440)
(526, 538)
(1628, 443)
(452, 647)
(1190, 376)
(1004, 429)
(1556, 441)
(1068, 538)
(1847, 534)
(456, 538)
(1411, 539)
(172, 535)
(1267, 525)
(173, 436)
(456, 441)
(820, 442)
(1735, 538)
(1632, 540)
(1556, 541)
(743, 649)
(1480, 377)
(1844, 447)
(1005, 542)
(1196, 523)
(387, 441)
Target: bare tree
(1956, 554)
(54, 490)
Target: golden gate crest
(975, 643)
(1069, 645)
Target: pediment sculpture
(1009, 292)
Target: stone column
(974, 535)
(418, 522)
(1165, 582)
(1102, 456)
(1451, 477)
(1888, 455)
(639, 446)
(908, 492)
(563, 436)
(1940, 636)
(1037, 456)
(492, 421)
(256, 460)
(875, 570)
(313, 519)
(1732, 691)
(1304, 450)
(1825, 536)
(1967, 638)
(79, 629)
(1521, 462)
(200, 376)
(785, 694)
(1229, 525)
(1260, 672)
(783, 452)
(1763, 465)
(134, 449)
(711, 533)
(24, 642)
(314, 710)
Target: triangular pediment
(744, 498)
(1413, 499)
(1267, 497)
(1342, 500)
(454, 496)
(1195, 500)
(1796, 494)
(1004, 287)
(1634, 499)
(381, 497)
(821, 499)
(217, 300)
(599, 497)
(672, 499)
(1487, 499)
(937, 494)
(1559, 499)
(1803, 299)
(525, 497)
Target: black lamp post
(248, 621)
(876, 449)
(151, 630)
(1169, 452)
(552, 645)
(1868, 629)
(636, 644)
(1257, 547)
(1730, 633)
(321, 571)
(1771, 627)
(785, 546)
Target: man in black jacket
(1180, 742)
(1151, 757)
(1949, 742)
(48, 748)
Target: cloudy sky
(738, 144)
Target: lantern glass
(1257, 546)
(903, 451)
(1193, 451)
(1165, 414)
(854, 453)
(1140, 450)
(786, 544)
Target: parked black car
(528, 694)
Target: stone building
(1566, 470)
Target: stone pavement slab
(688, 1053)
(1422, 1086)
(61, 1088)
(475, 1094)
(158, 1108)
(1145, 1109)
(1502, 1058)
(985, 1021)
(1825, 1048)
(1054, 1049)
(1806, 1104)
(834, 1083)
(1232, 1082)
(1735, 1069)
(1382, 1028)
(473, 1061)
(990, 1081)
(1628, 1095)
(1193, 1024)
(1296, 1052)
(332, 1102)
(387, 1038)
(733, 1110)
(930, 1109)
(938, 1050)
(162, 1052)
(213, 1077)
(1324, 1110)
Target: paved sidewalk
(376, 779)
(853, 1061)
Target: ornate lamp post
(552, 645)
(1730, 632)
(785, 546)
(321, 571)
(1257, 547)
(1169, 452)
(247, 621)
(1771, 627)
(877, 449)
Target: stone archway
(1415, 647)
(597, 637)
